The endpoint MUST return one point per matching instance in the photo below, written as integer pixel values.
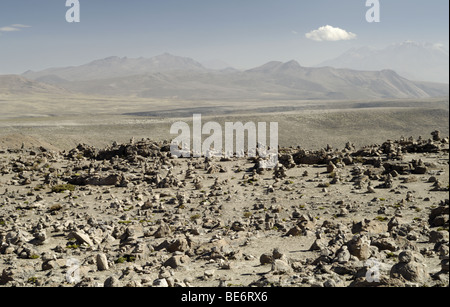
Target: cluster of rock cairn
(133, 215)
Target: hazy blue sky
(244, 33)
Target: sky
(35, 35)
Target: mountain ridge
(415, 61)
(115, 66)
(171, 77)
(16, 85)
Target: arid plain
(332, 214)
(64, 121)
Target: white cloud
(18, 25)
(331, 34)
(13, 28)
(8, 29)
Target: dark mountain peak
(112, 60)
(278, 67)
(390, 73)
(114, 66)
(169, 61)
(293, 64)
(266, 67)
(168, 56)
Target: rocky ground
(131, 215)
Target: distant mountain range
(18, 85)
(169, 76)
(412, 60)
(114, 67)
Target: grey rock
(413, 271)
(319, 244)
(385, 244)
(163, 231)
(49, 265)
(445, 264)
(177, 261)
(370, 226)
(160, 283)
(81, 237)
(280, 267)
(331, 168)
(6, 277)
(438, 236)
(359, 247)
(266, 259)
(295, 231)
(102, 262)
(112, 282)
(410, 267)
(19, 236)
(180, 245)
(209, 273)
(40, 236)
(343, 255)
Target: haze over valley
(121, 90)
(169, 76)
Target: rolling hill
(18, 85)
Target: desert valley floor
(360, 198)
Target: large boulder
(359, 246)
(411, 268)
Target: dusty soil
(131, 215)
